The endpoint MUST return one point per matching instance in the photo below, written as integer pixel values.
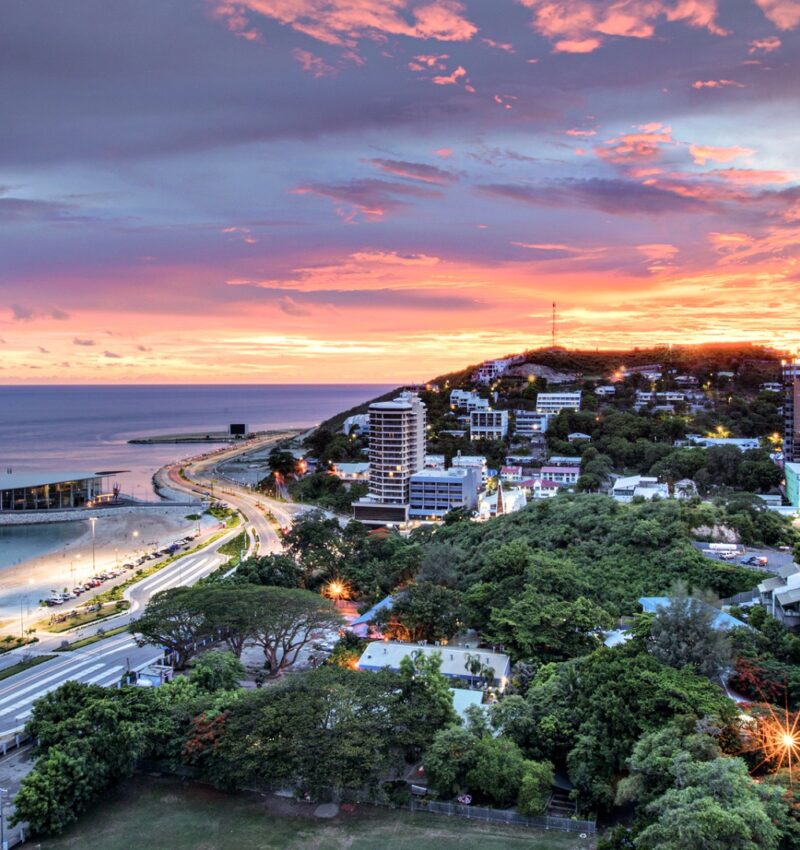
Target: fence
(742, 598)
(584, 827)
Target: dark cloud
(370, 197)
(112, 355)
(289, 306)
(83, 342)
(415, 171)
(20, 313)
(619, 197)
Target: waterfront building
(52, 491)
(396, 452)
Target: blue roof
(369, 616)
(651, 604)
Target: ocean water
(86, 429)
(79, 429)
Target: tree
(448, 760)
(217, 671)
(286, 620)
(534, 790)
(498, 769)
(174, 619)
(282, 462)
(685, 633)
(716, 806)
(278, 570)
(424, 611)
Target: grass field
(159, 814)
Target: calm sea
(76, 429)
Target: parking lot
(776, 558)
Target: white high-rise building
(791, 410)
(396, 452)
(556, 402)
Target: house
(511, 473)
(434, 462)
(457, 661)
(722, 620)
(780, 595)
(576, 436)
(351, 471)
(564, 460)
(605, 391)
(362, 626)
(565, 475)
(627, 488)
(359, 423)
(478, 461)
(467, 400)
(744, 444)
(539, 488)
(489, 370)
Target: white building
(540, 488)
(564, 460)
(744, 444)
(511, 473)
(478, 461)
(435, 492)
(771, 387)
(468, 400)
(501, 502)
(606, 390)
(455, 660)
(351, 471)
(564, 475)
(556, 402)
(359, 422)
(530, 422)
(577, 436)
(489, 370)
(488, 424)
(396, 452)
(434, 462)
(626, 489)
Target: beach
(121, 535)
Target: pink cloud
(642, 146)
(313, 64)
(767, 45)
(444, 153)
(709, 153)
(576, 132)
(785, 14)
(499, 45)
(751, 176)
(415, 171)
(344, 22)
(716, 84)
(451, 79)
(580, 26)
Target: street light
(93, 521)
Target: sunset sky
(381, 190)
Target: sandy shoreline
(118, 539)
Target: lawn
(160, 814)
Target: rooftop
(722, 621)
(380, 654)
(21, 480)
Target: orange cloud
(580, 26)
(705, 153)
(642, 146)
(751, 176)
(785, 14)
(450, 79)
(716, 84)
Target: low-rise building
(467, 400)
(511, 473)
(556, 402)
(628, 488)
(489, 370)
(434, 462)
(458, 662)
(352, 471)
(567, 476)
(488, 424)
(564, 460)
(527, 423)
(540, 488)
(358, 423)
(744, 444)
(577, 436)
(771, 387)
(605, 390)
(791, 472)
(780, 595)
(435, 492)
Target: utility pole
(93, 521)
(3, 793)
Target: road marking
(31, 698)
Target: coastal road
(105, 661)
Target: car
(727, 556)
(77, 590)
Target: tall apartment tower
(396, 452)
(791, 410)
